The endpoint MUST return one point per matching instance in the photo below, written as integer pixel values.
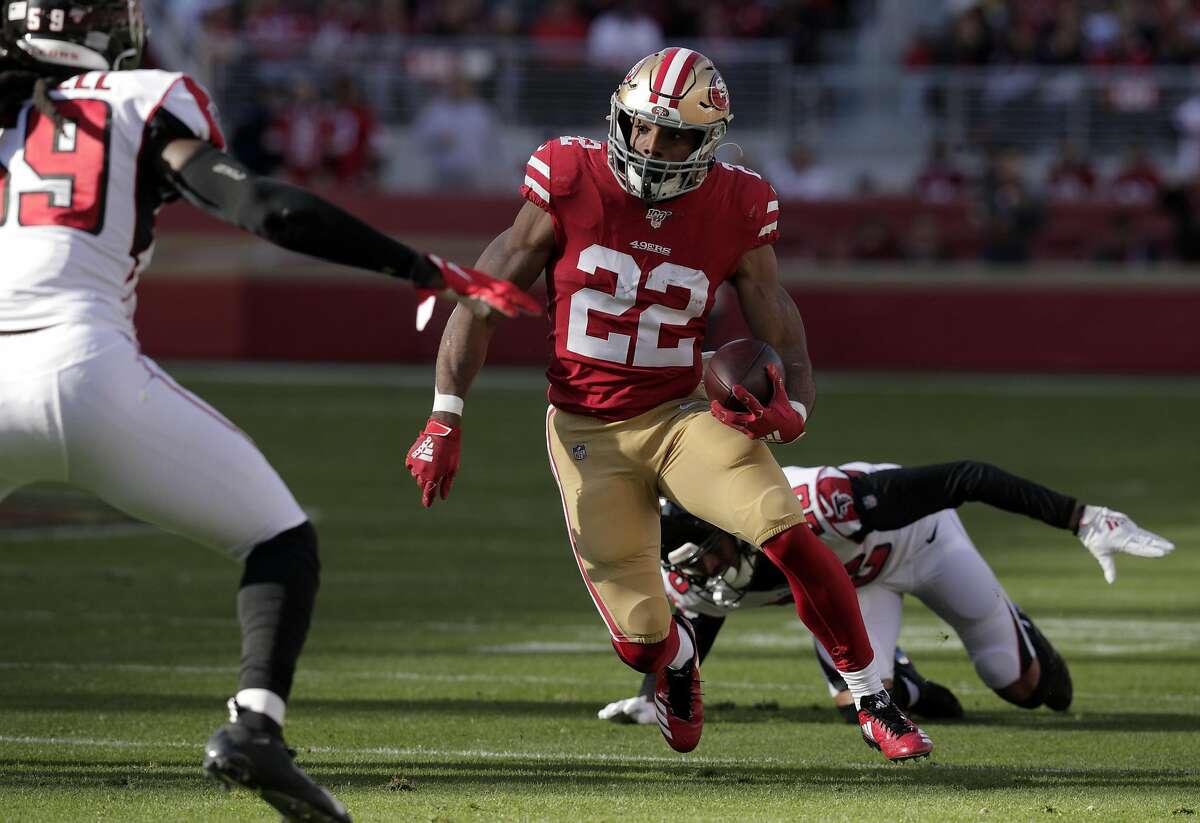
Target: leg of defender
(959, 586)
(149, 447)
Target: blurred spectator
(940, 181)
(559, 22)
(800, 177)
(969, 41)
(352, 135)
(1138, 183)
(1125, 242)
(458, 132)
(275, 30)
(924, 242)
(1013, 215)
(1182, 203)
(873, 239)
(250, 133)
(1071, 179)
(299, 134)
(622, 35)
(1187, 123)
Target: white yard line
(619, 684)
(509, 378)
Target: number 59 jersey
(630, 284)
(77, 204)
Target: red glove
(782, 421)
(464, 284)
(433, 459)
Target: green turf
(456, 662)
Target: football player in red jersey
(636, 235)
(90, 149)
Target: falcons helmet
(676, 88)
(103, 35)
(686, 539)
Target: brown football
(741, 362)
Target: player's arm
(518, 255)
(299, 220)
(773, 318)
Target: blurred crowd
(617, 31)
(1061, 32)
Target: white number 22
(614, 347)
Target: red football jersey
(631, 285)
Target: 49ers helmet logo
(718, 95)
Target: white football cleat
(1105, 532)
(639, 710)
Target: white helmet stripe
(676, 68)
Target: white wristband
(447, 403)
(799, 407)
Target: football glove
(639, 710)
(1106, 532)
(780, 421)
(478, 291)
(433, 459)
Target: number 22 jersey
(631, 284)
(77, 204)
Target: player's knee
(1024, 691)
(289, 555)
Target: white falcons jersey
(824, 492)
(76, 229)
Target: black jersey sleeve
(289, 216)
(894, 498)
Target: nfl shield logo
(657, 216)
(579, 451)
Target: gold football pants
(610, 475)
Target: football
(742, 362)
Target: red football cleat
(677, 700)
(884, 727)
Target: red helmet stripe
(656, 83)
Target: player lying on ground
(635, 237)
(897, 533)
(90, 149)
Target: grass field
(456, 663)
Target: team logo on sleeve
(657, 216)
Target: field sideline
(456, 662)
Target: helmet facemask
(675, 88)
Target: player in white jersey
(897, 533)
(90, 148)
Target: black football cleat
(1054, 688)
(249, 752)
(934, 701)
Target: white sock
(686, 649)
(862, 683)
(262, 701)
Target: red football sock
(825, 598)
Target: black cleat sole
(235, 773)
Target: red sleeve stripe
(215, 136)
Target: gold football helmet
(676, 88)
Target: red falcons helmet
(104, 35)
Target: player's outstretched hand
(1106, 532)
(780, 421)
(433, 459)
(481, 292)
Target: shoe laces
(882, 709)
(679, 690)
